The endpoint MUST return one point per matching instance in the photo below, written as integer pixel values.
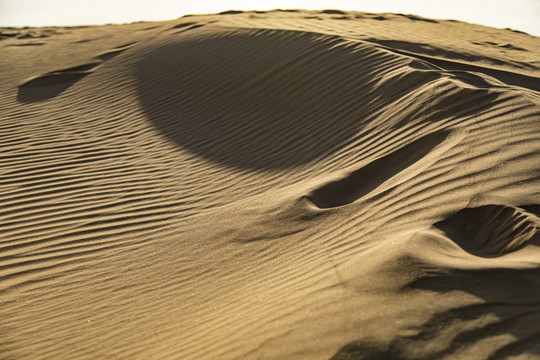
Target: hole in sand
(491, 230)
(52, 84)
(362, 181)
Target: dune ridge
(268, 185)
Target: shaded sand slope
(270, 185)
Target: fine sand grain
(270, 185)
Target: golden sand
(270, 185)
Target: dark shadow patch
(414, 47)
(28, 44)
(83, 67)
(183, 25)
(126, 45)
(48, 86)
(8, 34)
(231, 12)
(284, 10)
(250, 102)
(504, 302)
(192, 27)
(362, 181)
(491, 230)
(33, 36)
(52, 84)
(512, 47)
(533, 209)
(366, 350)
(150, 28)
(504, 46)
(514, 320)
(418, 48)
(419, 64)
(472, 79)
(509, 295)
(333, 12)
(82, 41)
(517, 31)
(380, 18)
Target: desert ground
(286, 184)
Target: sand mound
(270, 185)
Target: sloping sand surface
(270, 185)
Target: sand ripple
(270, 185)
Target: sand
(270, 185)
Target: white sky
(516, 14)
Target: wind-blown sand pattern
(270, 185)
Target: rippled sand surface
(270, 185)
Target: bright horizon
(521, 15)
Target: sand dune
(270, 185)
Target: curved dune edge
(270, 185)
